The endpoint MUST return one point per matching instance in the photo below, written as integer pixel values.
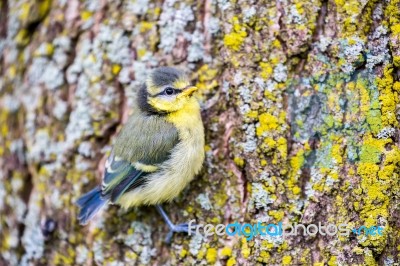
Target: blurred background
(300, 103)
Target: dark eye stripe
(176, 91)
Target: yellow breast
(184, 163)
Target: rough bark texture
(300, 104)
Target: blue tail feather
(89, 205)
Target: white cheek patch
(167, 98)
(166, 103)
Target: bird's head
(167, 90)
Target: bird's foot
(187, 228)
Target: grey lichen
(195, 244)
(204, 201)
(250, 143)
(140, 241)
(173, 22)
(260, 198)
(386, 133)
(196, 48)
(32, 239)
(351, 53)
(280, 72)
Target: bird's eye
(169, 91)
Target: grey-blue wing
(119, 177)
(144, 140)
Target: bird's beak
(188, 91)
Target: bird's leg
(179, 228)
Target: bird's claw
(180, 228)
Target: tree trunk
(300, 104)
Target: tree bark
(300, 102)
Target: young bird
(158, 151)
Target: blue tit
(158, 151)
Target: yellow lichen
(206, 78)
(376, 177)
(211, 255)
(266, 70)
(231, 261)
(268, 122)
(226, 252)
(22, 38)
(264, 256)
(85, 15)
(388, 98)
(332, 261)
(235, 39)
(146, 26)
(245, 248)
(278, 215)
(116, 69)
(239, 161)
(141, 52)
(183, 253)
(287, 260)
